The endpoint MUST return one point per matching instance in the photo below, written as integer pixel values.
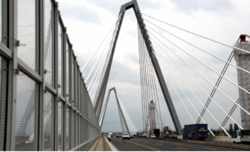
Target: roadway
(147, 144)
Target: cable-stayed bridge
(150, 69)
(46, 104)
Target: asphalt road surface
(142, 144)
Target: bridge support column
(243, 61)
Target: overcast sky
(88, 22)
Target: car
(192, 136)
(125, 136)
(174, 137)
(117, 136)
(167, 136)
(144, 135)
(153, 136)
(131, 136)
(170, 136)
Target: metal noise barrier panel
(44, 102)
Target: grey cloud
(80, 12)
(211, 5)
(113, 6)
(133, 58)
(123, 74)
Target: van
(242, 136)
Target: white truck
(125, 136)
(242, 136)
(111, 134)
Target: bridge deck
(149, 144)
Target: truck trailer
(195, 131)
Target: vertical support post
(55, 113)
(64, 90)
(12, 82)
(75, 100)
(38, 66)
(70, 92)
(75, 84)
(41, 70)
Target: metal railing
(47, 104)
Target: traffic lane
(128, 145)
(181, 146)
(156, 144)
(172, 145)
(192, 147)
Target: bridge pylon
(133, 4)
(121, 114)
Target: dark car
(174, 137)
(192, 136)
(117, 136)
(167, 136)
(170, 136)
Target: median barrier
(179, 136)
(220, 138)
(210, 143)
(236, 146)
(244, 147)
(224, 144)
(240, 146)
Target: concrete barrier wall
(179, 137)
(220, 138)
(106, 144)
